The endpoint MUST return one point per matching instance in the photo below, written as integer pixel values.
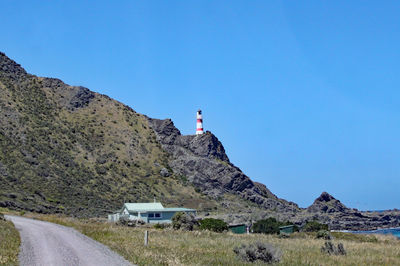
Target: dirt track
(48, 244)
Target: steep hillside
(67, 149)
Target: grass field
(168, 247)
(9, 243)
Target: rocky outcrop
(203, 161)
(331, 211)
(327, 204)
(10, 68)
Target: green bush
(314, 226)
(267, 226)
(159, 226)
(216, 225)
(270, 226)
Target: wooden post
(146, 238)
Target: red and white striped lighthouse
(199, 127)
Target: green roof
(152, 207)
(143, 206)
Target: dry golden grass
(9, 243)
(168, 247)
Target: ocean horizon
(393, 231)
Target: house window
(154, 215)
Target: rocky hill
(67, 149)
(70, 150)
(331, 211)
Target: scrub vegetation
(176, 247)
(9, 242)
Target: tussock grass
(9, 243)
(168, 247)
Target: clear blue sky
(304, 95)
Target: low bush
(330, 249)
(314, 226)
(159, 226)
(184, 221)
(324, 234)
(2, 217)
(264, 252)
(267, 226)
(215, 225)
(270, 226)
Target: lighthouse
(199, 126)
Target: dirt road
(48, 244)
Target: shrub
(159, 226)
(267, 226)
(258, 251)
(184, 221)
(324, 234)
(330, 249)
(314, 226)
(216, 225)
(271, 226)
(2, 217)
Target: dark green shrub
(271, 226)
(267, 226)
(264, 252)
(314, 226)
(2, 217)
(216, 225)
(159, 226)
(184, 221)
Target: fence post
(146, 238)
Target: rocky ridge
(202, 159)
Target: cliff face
(202, 159)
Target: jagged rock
(164, 172)
(82, 97)
(202, 159)
(10, 68)
(327, 203)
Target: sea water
(393, 231)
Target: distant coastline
(394, 231)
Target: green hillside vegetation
(85, 157)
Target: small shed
(238, 228)
(287, 229)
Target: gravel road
(49, 244)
